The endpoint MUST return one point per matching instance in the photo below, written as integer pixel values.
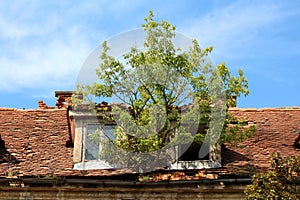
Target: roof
(277, 129)
(35, 142)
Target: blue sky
(43, 44)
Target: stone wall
(119, 193)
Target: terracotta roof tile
(276, 131)
(35, 145)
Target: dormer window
(90, 135)
(91, 132)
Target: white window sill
(90, 165)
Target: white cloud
(10, 30)
(234, 26)
(40, 52)
(43, 44)
(54, 63)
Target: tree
(278, 183)
(165, 90)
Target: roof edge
(265, 109)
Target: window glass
(92, 141)
(109, 132)
(95, 136)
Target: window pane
(109, 132)
(92, 141)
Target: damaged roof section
(34, 144)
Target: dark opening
(191, 152)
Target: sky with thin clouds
(43, 44)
